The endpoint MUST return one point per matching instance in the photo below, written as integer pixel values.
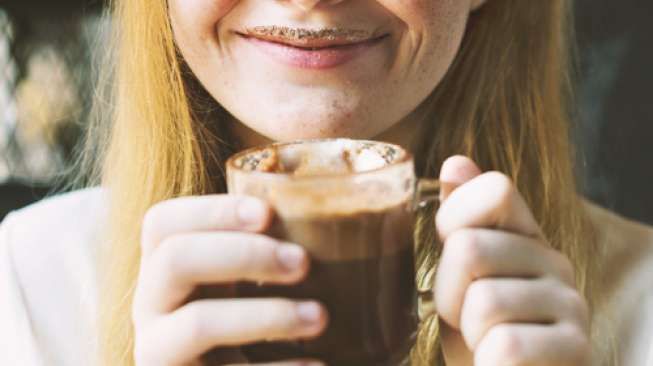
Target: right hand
(192, 241)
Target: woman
(527, 273)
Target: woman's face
(291, 69)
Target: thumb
(456, 171)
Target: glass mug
(351, 204)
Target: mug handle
(426, 190)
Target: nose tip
(307, 5)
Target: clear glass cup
(351, 204)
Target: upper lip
(309, 38)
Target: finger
(561, 344)
(184, 261)
(199, 326)
(472, 254)
(490, 302)
(456, 171)
(305, 362)
(489, 200)
(205, 213)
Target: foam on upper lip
(324, 37)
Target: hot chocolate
(358, 229)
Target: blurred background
(47, 82)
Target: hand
(504, 297)
(194, 241)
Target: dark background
(615, 124)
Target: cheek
(433, 30)
(195, 21)
(426, 14)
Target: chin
(281, 137)
(310, 133)
(312, 126)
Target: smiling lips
(311, 49)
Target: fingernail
(251, 211)
(309, 312)
(291, 256)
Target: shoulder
(72, 209)
(51, 227)
(624, 250)
(59, 227)
(606, 221)
(625, 254)
(49, 255)
(622, 243)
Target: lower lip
(319, 59)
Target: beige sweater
(48, 282)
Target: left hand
(503, 295)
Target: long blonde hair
(504, 102)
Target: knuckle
(566, 269)
(167, 259)
(257, 253)
(500, 180)
(480, 311)
(441, 221)
(503, 187)
(574, 334)
(146, 349)
(484, 299)
(580, 342)
(263, 246)
(150, 223)
(574, 301)
(154, 213)
(507, 345)
(466, 249)
(574, 304)
(223, 209)
(278, 318)
(193, 326)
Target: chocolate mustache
(302, 34)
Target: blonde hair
(504, 102)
